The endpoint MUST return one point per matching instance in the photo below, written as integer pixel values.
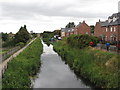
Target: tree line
(20, 38)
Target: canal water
(54, 73)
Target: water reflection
(54, 73)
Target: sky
(50, 15)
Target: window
(111, 29)
(106, 29)
(111, 38)
(114, 29)
(106, 38)
(86, 32)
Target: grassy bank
(99, 67)
(21, 68)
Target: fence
(112, 48)
(9, 53)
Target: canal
(54, 73)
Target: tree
(57, 32)
(82, 40)
(22, 35)
(92, 28)
(4, 36)
(70, 25)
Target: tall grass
(100, 67)
(22, 67)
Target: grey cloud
(27, 11)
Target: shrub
(81, 41)
(21, 44)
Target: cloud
(80, 9)
(51, 14)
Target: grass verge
(99, 67)
(22, 67)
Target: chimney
(25, 26)
(79, 22)
(99, 20)
(84, 21)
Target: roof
(78, 25)
(112, 23)
(67, 29)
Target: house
(109, 30)
(63, 32)
(82, 28)
(66, 32)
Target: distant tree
(57, 32)
(92, 28)
(70, 25)
(5, 36)
(34, 34)
(22, 35)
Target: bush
(81, 41)
(22, 35)
(21, 44)
(9, 43)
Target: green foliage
(22, 35)
(21, 44)
(70, 25)
(4, 36)
(34, 34)
(9, 43)
(57, 32)
(46, 36)
(92, 28)
(81, 41)
(100, 67)
(23, 66)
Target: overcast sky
(49, 15)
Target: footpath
(3, 65)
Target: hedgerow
(81, 41)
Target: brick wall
(83, 29)
(110, 34)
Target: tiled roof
(78, 25)
(67, 29)
(104, 23)
(117, 22)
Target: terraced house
(81, 28)
(109, 30)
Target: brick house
(109, 30)
(82, 28)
